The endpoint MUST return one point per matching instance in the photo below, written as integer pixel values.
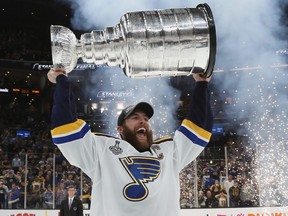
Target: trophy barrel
(170, 42)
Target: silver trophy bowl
(168, 42)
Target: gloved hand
(52, 74)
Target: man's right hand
(52, 74)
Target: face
(137, 131)
(71, 192)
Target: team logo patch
(116, 148)
(142, 170)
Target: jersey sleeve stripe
(68, 128)
(192, 136)
(196, 134)
(200, 132)
(70, 132)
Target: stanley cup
(168, 42)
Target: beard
(141, 145)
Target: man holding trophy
(134, 174)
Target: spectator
(48, 197)
(71, 205)
(208, 169)
(202, 199)
(61, 194)
(210, 202)
(206, 179)
(86, 196)
(222, 179)
(3, 195)
(11, 178)
(6, 164)
(234, 195)
(221, 168)
(35, 200)
(229, 183)
(248, 193)
(216, 188)
(233, 169)
(209, 181)
(48, 179)
(215, 175)
(222, 199)
(69, 181)
(14, 197)
(22, 154)
(20, 176)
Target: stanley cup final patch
(116, 148)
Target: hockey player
(133, 175)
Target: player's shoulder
(105, 135)
(162, 139)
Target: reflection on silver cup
(170, 42)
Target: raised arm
(64, 108)
(71, 135)
(199, 111)
(195, 131)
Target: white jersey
(127, 182)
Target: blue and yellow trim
(70, 132)
(195, 133)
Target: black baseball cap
(143, 106)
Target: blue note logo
(142, 170)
